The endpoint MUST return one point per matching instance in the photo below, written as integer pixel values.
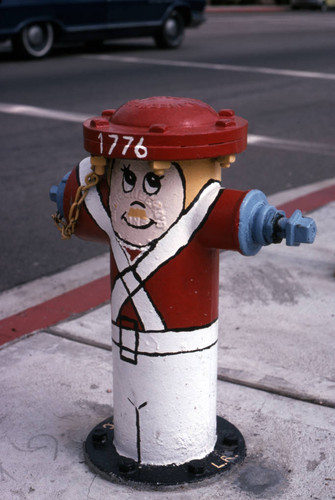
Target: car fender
(57, 25)
(182, 7)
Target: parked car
(34, 27)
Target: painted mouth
(137, 222)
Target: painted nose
(139, 203)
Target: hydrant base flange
(104, 460)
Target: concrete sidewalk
(276, 384)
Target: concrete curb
(246, 8)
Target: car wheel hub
(171, 27)
(36, 35)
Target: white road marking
(23, 110)
(253, 139)
(291, 145)
(213, 66)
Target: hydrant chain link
(67, 230)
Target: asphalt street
(275, 69)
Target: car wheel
(34, 40)
(171, 34)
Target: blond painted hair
(196, 172)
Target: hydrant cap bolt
(165, 128)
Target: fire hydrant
(151, 190)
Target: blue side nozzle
(262, 224)
(56, 194)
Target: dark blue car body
(39, 24)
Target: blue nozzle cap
(298, 229)
(56, 194)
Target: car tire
(34, 40)
(171, 34)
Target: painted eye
(128, 180)
(152, 183)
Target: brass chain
(67, 228)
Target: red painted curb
(309, 202)
(52, 311)
(97, 292)
(247, 8)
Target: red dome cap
(165, 128)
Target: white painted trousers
(164, 393)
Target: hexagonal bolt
(127, 465)
(196, 467)
(230, 442)
(99, 437)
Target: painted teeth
(137, 221)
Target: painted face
(143, 203)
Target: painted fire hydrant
(151, 189)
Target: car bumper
(197, 19)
